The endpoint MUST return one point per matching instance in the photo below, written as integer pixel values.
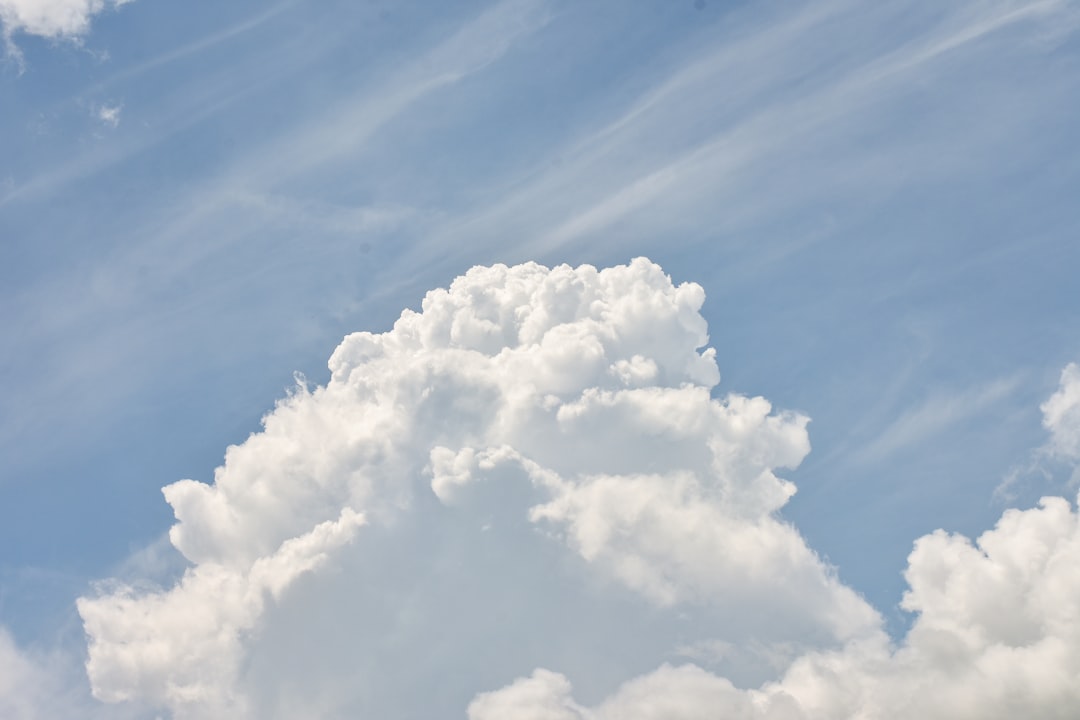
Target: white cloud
(543, 464)
(543, 696)
(587, 393)
(1061, 416)
(997, 636)
(44, 686)
(182, 647)
(51, 18)
(109, 114)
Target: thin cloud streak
(591, 192)
(185, 108)
(478, 44)
(764, 132)
(936, 414)
(192, 48)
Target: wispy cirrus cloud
(645, 169)
(933, 416)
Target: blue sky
(196, 202)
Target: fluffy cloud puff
(1061, 416)
(51, 18)
(536, 409)
(997, 635)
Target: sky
(540, 360)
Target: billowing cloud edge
(997, 635)
(1061, 420)
(46, 685)
(68, 19)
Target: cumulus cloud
(534, 477)
(44, 686)
(1061, 419)
(51, 18)
(1061, 416)
(997, 635)
(523, 407)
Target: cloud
(525, 417)
(997, 635)
(512, 477)
(182, 647)
(654, 163)
(44, 686)
(109, 114)
(67, 19)
(937, 413)
(51, 18)
(20, 681)
(1061, 416)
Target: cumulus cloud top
(506, 356)
(52, 18)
